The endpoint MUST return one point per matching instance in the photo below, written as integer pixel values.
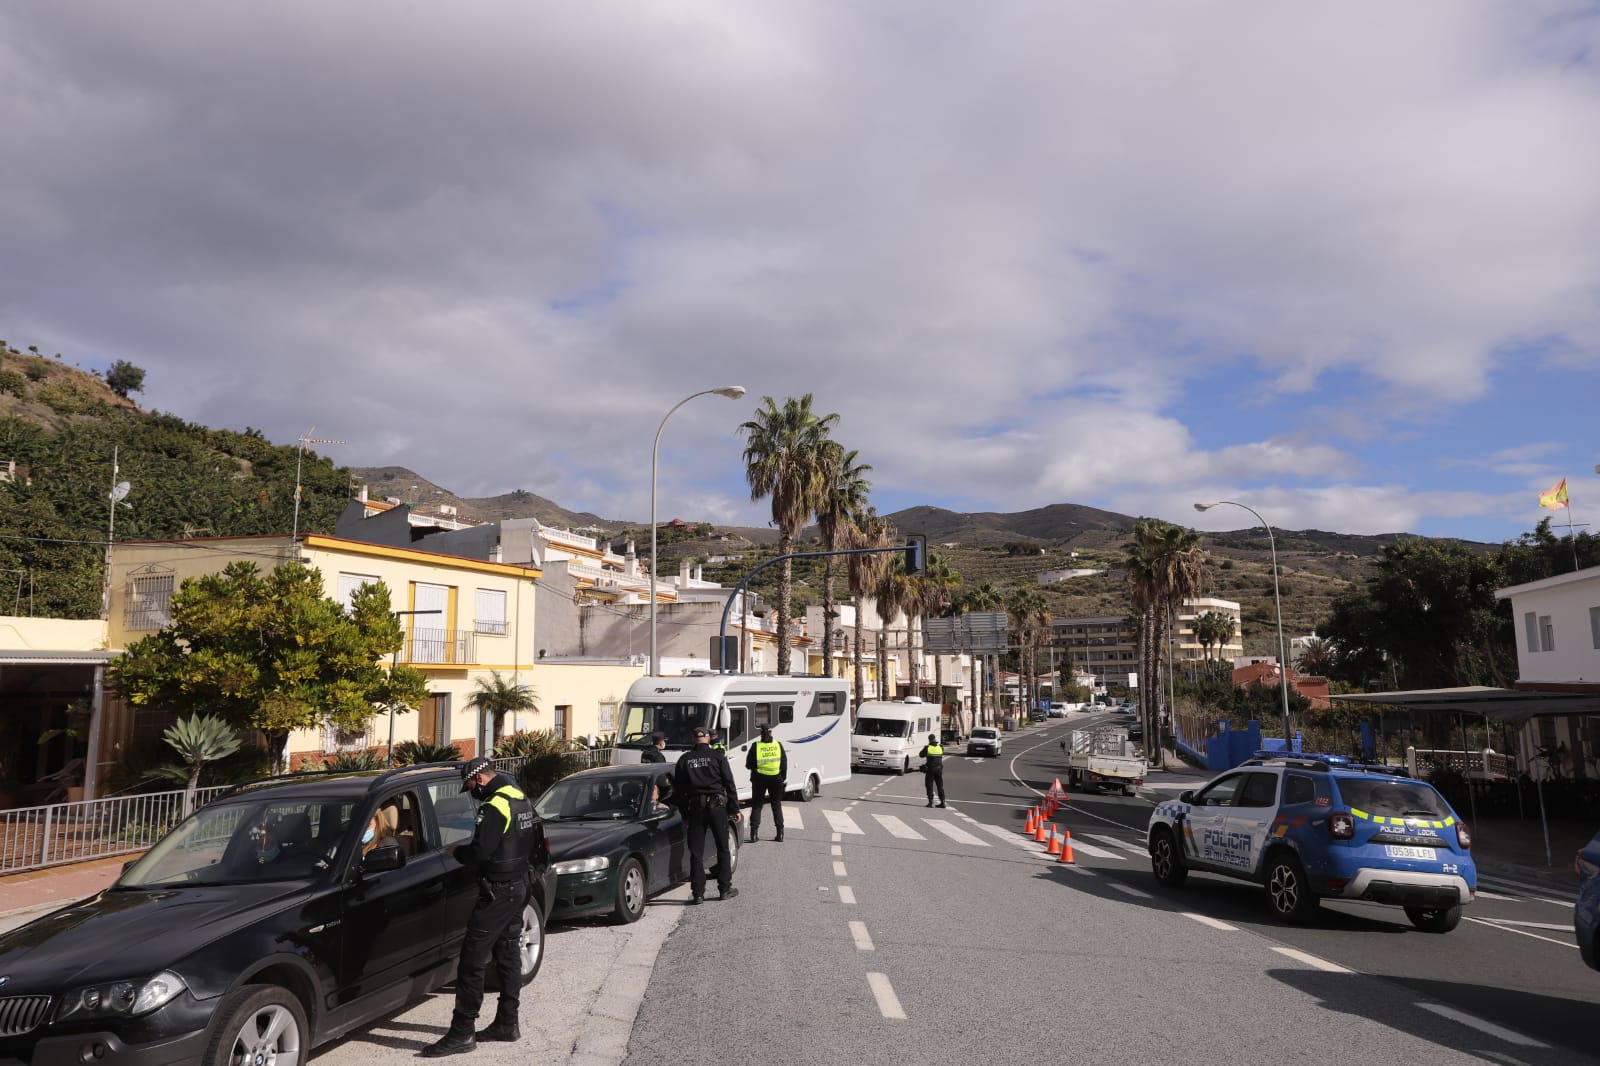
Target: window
(456, 812)
(563, 720)
(762, 713)
(1594, 626)
(348, 583)
(1530, 626)
(1298, 788)
(1220, 793)
(1547, 634)
(1260, 790)
(491, 611)
(608, 717)
(827, 704)
(150, 602)
(785, 712)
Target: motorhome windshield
(677, 720)
(882, 727)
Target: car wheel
(530, 942)
(1435, 919)
(1288, 892)
(733, 849)
(905, 766)
(1166, 861)
(630, 891)
(259, 1023)
(809, 790)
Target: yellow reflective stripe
(1362, 814)
(1437, 825)
(501, 804)
(1449, 821)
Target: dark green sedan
(614, 843)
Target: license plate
(1401, 851)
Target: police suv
(1309, 827)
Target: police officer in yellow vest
(768, 764)
(933, 768)
(508, 841)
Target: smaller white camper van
(890, 734)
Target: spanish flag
(1556, 498)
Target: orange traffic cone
(1038, 832)
(1055, 842)
(1056, 787)
(1029, 825)
(1066, 848)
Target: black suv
(262, 926)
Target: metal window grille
(149, 601)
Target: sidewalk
(36, 891)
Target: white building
(1558, 650)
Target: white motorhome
(809, 717)
(890, 734)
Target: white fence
(32, 838)
(1485, 765)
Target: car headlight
(124, 998)
(593, 864)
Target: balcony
(440, 647)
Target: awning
(1510, 705)
(56, 658)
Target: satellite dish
(120, 491)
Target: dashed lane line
(847, 895)
(1510, 1036)
(838, 870)
(883, 992)
(842, 823)
(1206, 919)
(1136, 893)
(1311, 960)
(863, 939)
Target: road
(885, 932)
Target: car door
(393, 920)
(454, 821)
(1206, 841)
(661, 830)
(1249, 819)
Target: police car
(1314, 827)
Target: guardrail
(34, 838)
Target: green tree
(1213, 629)
(937, 588)
(124, 377)
(498, 696)
(1316, 657)
(271, 652)
(197, 740)
(787, 457)
(1030, 620)
(869, 530)
(841, 507)
(893, 595)
(1165, 565)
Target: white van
(809, 717)
(890, 734)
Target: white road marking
(1312, 961)
(1204, 919)
(1490, 895)
(1079, 869)
(1553, 926)
(835, 838)
(792, 819)
(1523, 932)
(883, 992)
(1137, 893)
(1096, 852)
(898, 828)
(1508, 1035)
(863, 939)
(1114, 842)
(838, 869)
(836, 850)
(842, 823)
(956, 833)
(847, 895)
(1011, 836)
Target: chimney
(363, 496)
(683, 573)
(698, 571)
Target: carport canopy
(1512, 706)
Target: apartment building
(1107, 646)
(1558, 650)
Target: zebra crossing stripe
(898, 828)
(843, 823)
(1140, 848)
(792, 819)
(956, 833)
(1079, 847)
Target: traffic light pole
(914, 549)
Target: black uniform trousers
(930, 779)
(765, 789)
(494, 929)
(700, 818)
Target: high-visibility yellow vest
(935, 749)
(769, 758)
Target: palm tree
(498, 696)
(786, 457)
(984, 597)
(1213, 629)
(196, 740)
(894, 595)
(865, 573)
(1030, 616)
(1317, 657)
(937, 588)
(1165, 566)
(841, 507)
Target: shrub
(65, 397)
(36, 368)
(13, 382)
(413, 752)
(531, 742)
(355, 760)
(544, 758)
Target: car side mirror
(382, 858)
(1186, 796)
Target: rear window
(1391, 798)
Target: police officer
(768, 764)
(932, 755)
(702, 784)
(654, 753)
(508, 837)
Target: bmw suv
(259, 928)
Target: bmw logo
(3, 980)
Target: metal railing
(35, 837)
(447, 647)
(1485, 765)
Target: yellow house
(464, 619)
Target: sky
(1339, 262)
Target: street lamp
(1277, 603)
(732, 392)
(395, 666)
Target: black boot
(457, 1041)
(779, 837)
(752, 839)
(504, 1027)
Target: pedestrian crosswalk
(952, 826)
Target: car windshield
(234, 843)
(1391, 798)
(603, 799)
(677, 720)
(882, 727)
(983, 734)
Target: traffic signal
(916, 555)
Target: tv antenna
(305, 439)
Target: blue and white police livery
(1310, 827)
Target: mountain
(401, 485)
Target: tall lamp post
(1277, 604)
(394, 666)
(732, 392)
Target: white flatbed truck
(1102, 759)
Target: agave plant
(197, 740)
(413, 752)
(531, 742)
